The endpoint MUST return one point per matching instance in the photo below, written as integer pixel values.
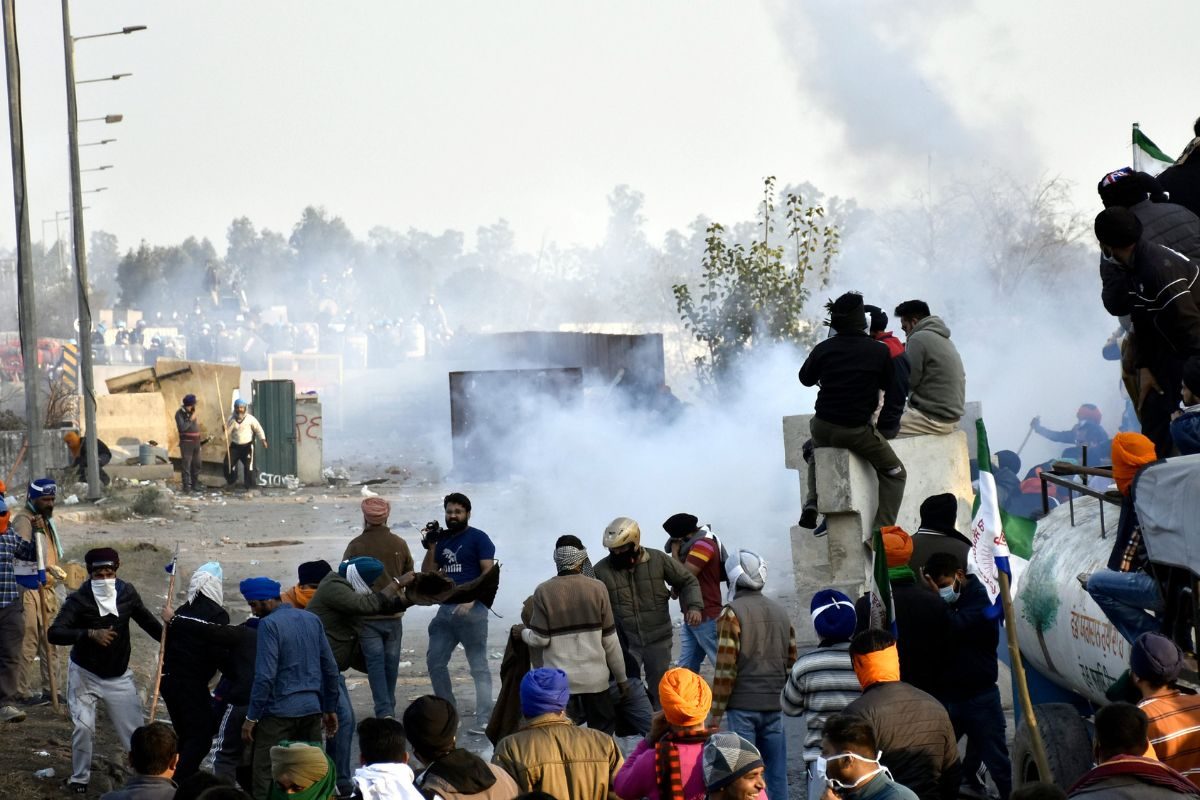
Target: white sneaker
(11, 714)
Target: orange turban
(376, 510)
(685, 698)
(882, 666)
(897, 545)
(1130, 452)
(72, 440)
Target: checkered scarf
(568, 559)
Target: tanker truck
(1072, 653)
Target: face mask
(624, 560)
(105, 592)
(842, 786)
(949, 593)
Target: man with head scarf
(822, 681)
(94, 622)
(342, 601)
(243, 429)
(450, 772)
(238, 648)
(188, 427)
(756, 647)
(295, 689)
(380, 635)
(572, 629)
(1125, 591)
(301, 771)
(1160, 290)
(1155, 663)
(189, 663)
(77, 446)
(668, 764)
(920, 615)
(550, 753)
(34, 522)
(853, 372)
(308, 578)
(912, 729)
(703, 555)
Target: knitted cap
(726, 758)
(1155, 658)
(678, 526)
(939, 512)
(311, 572)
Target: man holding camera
(463, 554)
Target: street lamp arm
(124, 31)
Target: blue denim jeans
(343, 741)
(446, 631)
(1125, 598)
(380, 642)
(697, 642)
(981, 720)
(764, 729)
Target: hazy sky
(453, 114)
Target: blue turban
(259, 589)
(833, 615)
(189, 400)
(43, 487)
(368, 568)
(544, 691)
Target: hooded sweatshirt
(938, 384)
(461, 774)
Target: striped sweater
(1175, 731)
(822, 684)
(571, 627)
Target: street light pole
(94, 491)
(25, 305)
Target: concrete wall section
(847, 492)
(127, 420)
(310, 440)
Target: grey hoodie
(939, 385)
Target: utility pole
(25, 306)
(94, 491)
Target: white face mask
(105, 592)
(841, 786)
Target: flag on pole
(1146, 155)
(988, 544)
(883, 611)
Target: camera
(431, 533)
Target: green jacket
(938, 384)
(640, 596)
(341, 611)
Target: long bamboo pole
(1018, 669)
(162, 642)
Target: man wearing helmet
(243, 428)
(640, 583)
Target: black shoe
(808, 519)
(823, 528)
(42, 699)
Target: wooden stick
(17, 463)
(1018, 669)
(224, 427)
(1025, 441)
(162, 643)
(51, 660)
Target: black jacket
(914, 732)
(80, 614)
(1161, 293)
(239, 646)
(974, 637)
(922, 629)
(1182, 181)
(851, 369)
(188, 656)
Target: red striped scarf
(666, 761)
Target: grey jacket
(641, 597)
(938, 384)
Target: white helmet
(622, 531)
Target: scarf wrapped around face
(206, 581)
(570, 559)
(881, 666)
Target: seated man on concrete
(937, 394)
(853, 372)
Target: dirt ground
(231, 527)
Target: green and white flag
(883, 610)
(1146, 155)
